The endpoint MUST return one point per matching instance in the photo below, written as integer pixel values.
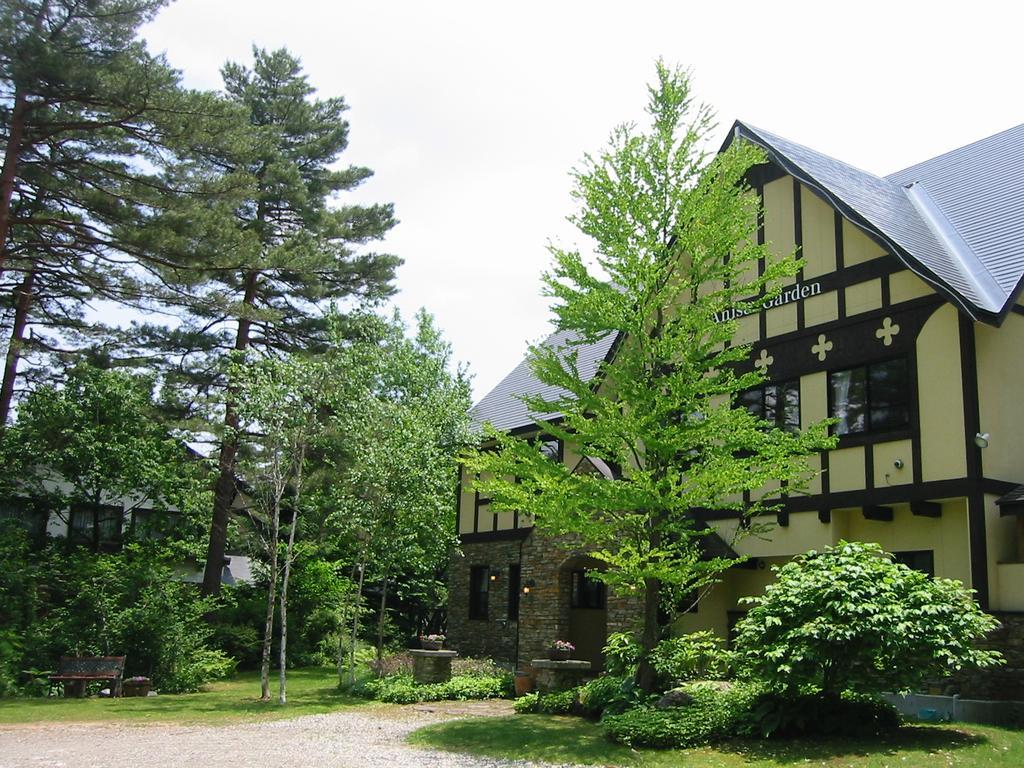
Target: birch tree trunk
(355, 628)
(268, 629)
(289, 555)
(380, 620)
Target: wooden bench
(75, 671)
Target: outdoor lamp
(528, 586)
(981, 439)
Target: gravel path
(348, 739)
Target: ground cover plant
(402, 689)
(310, 691)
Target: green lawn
(310, 691)
(572, 740)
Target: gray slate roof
(502, 406)
(956, 220)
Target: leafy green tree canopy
(96, 440)
(849, 618)
(674, 231)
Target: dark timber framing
(977, 538)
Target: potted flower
(560, 650)
(136, 686)
(431, 642)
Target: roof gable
(503, 407)
(957, 220)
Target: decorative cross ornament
(764, 361)
(887, 331)
(822, 348)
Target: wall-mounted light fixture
(494, 576)
(528, 586)
(981, 439)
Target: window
(872, 398)
(153, 525)
(479, 584)
(513, 592)
(922, 560)
(775, 403)
(96, 526)
(22, 514)
(587, 592)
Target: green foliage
(621, 653)
(96, 440)
(526, 704)
(851, 619)
(126, 604)
(694, 656)
(558, 703)
(784, 715)
(674, 234)
(713, 715)
(608, 693)
(401, 689)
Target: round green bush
(713, 715)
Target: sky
(472, 114)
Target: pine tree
(291, 250)
(90, 123)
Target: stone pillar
(553, 676)
(432, 666)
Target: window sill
(867, 438)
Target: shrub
(851, 619)
(696, 656)
(713, 715)
(199, 666)
(607, 694)
(621, 654)
(527, 704)
(392, 664)
(402, 689)
(774, 714)
(477, 667)
(560, 703)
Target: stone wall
(495, 636)
(546, 564)
(1003, 683)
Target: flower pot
(431, 645)
(559, 654)
(524, 683)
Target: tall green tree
(292, 248)
(89, 121)
(401, 422)
(674, 234)
(97, 441)
(282, 408)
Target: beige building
(903, 325)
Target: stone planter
(136, 689)
(432, 666)
(559, 654)
(431, 645)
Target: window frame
(91, 535)
(780, 423)
(582, 599)
(479, 592)
(515, 580)
(870, 432)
